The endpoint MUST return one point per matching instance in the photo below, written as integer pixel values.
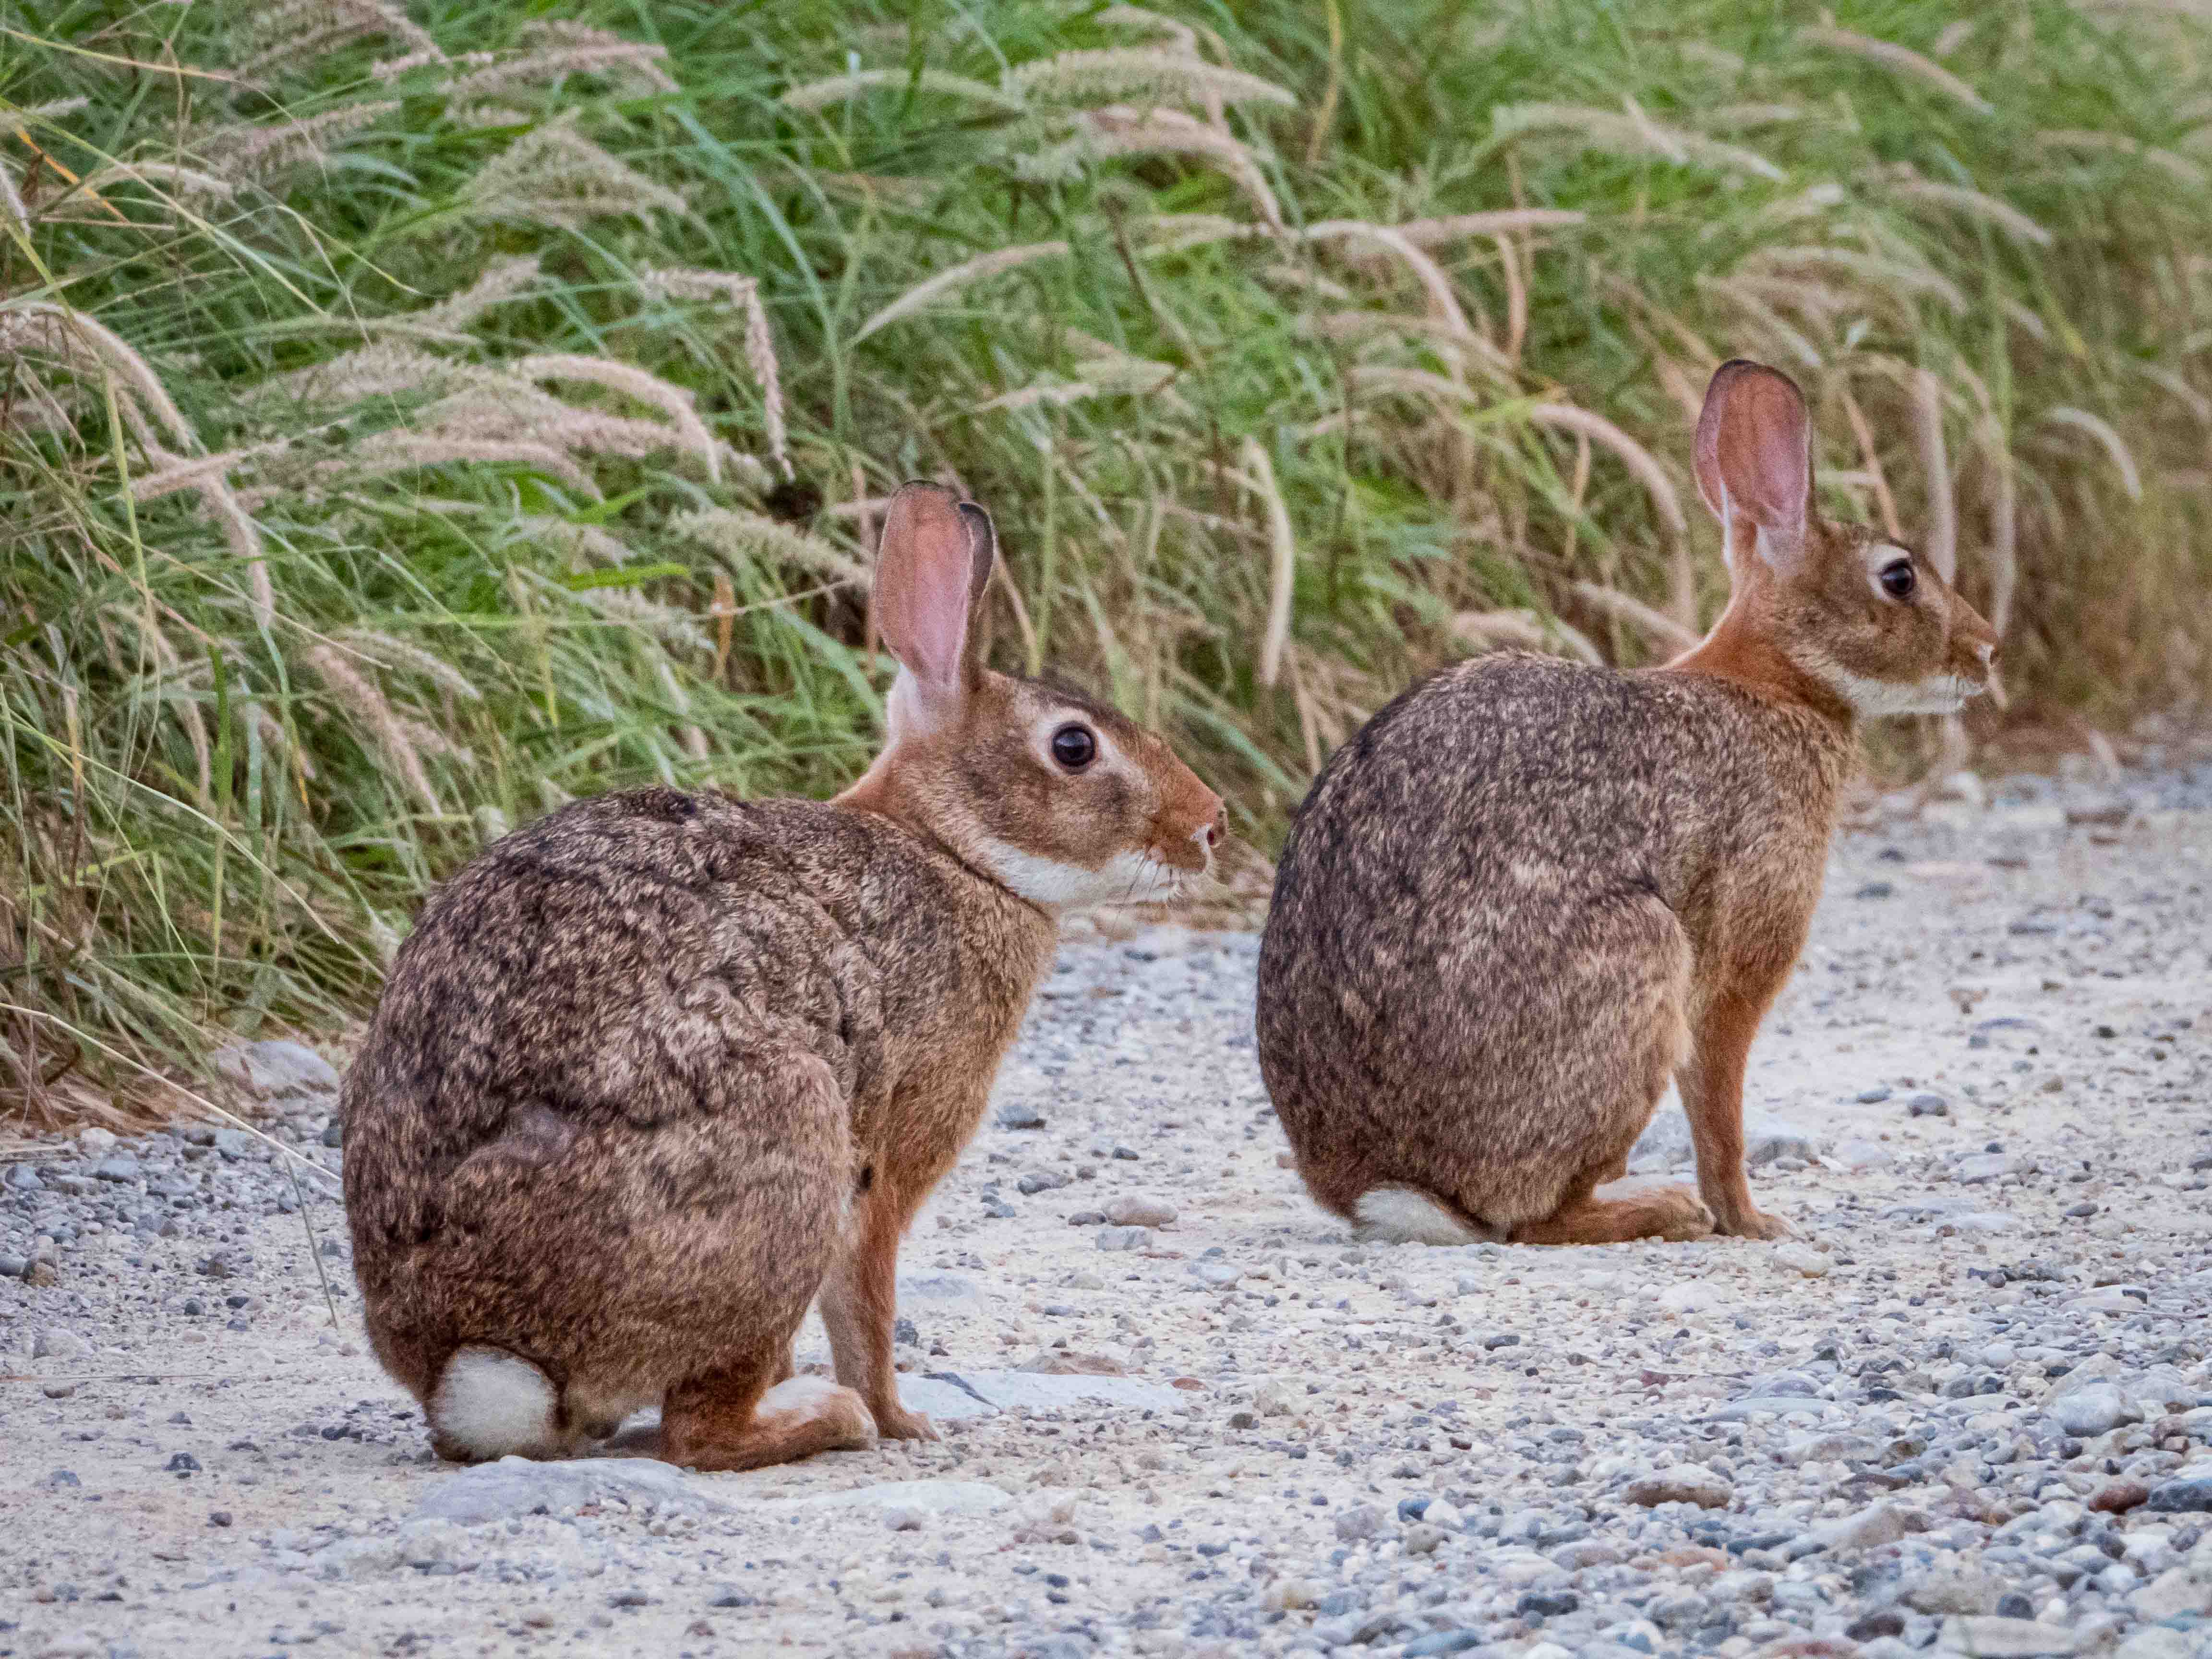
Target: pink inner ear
(924, 574)
(1761, 447)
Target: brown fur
(654, 1072)
(1529, 891)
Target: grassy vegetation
(415, 412)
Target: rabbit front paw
(897, 1423)
(1754, 1223)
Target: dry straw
(927, 293)
(1259, 469)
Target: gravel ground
(1183, 1413)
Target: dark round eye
(1898, 578)
(1074, 747)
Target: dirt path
(1239, 1430)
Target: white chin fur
(1945, 694)
(1125, 879)
(1399, 1215)
(490, 1403)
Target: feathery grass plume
(355, 691)
(1179, 233)
(1976, 204)
(628, 608)
(1142, 19)
(2108, 439)
(243, 536)
(1501, 221)
(88, 349)
(1358, 326)
(1631, 133)
(952, 279)
(12, 207)
(1902, 59)
(555, 176)
(293, 34)
(556, 48)
(1748, 117)
(633, 382)
(2081, 142)
(1523, 630)
(1940, 542)
(583, 545)
(502, 280)
(1904, 280)
(1117, 130)
(157, 176)
(387, 652)
(1661, 629)
(840, 89)
(743, 292)
(262, 152)
(746, 541)
(1443, 304)
(1138, 75)
(172, 689)
(1259, 469)
(405, 452)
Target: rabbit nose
(1212, 833)
(1988, 652)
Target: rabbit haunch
(1528, 893)
(660, 1070)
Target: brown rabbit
(656, 1070)
(1528, 891)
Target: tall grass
(415, 412)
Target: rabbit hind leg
(1673, 1211)
(732, 1419)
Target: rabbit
(655, 1071)
(1528, 892)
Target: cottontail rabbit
(656, 1070)
(1528, 891)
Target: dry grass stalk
(83, 345)
(1940, 543)
(1524, 630)
(156, 176)
(1259, 469)
(1504, 221)
(632, 382)
(401, 452)
(172, 689)
(2004, 556)
(1655, 625)
(926, 292)
(1516, 299)
(839, 88)
(743, 292)
(1904, 281)
(2108, 438)
(1178, 233)
(266, 151)
(1443, 304)
(1567, 417)
(558, 49)
(555, 176)
(387, 652)
(358, 693)
(1631, 133)
(1136, 73)
(1902, 59)
(2118, 144)
(1977, 205)
(1892, 526)
(747, 541)
(1118, 130)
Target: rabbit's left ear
(931, 572)
(1755, 455)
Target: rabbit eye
(1898, 578)
(1074, 747)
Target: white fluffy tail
(490, 1403)
(1403, 1215)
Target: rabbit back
(1483, 956)
(623, 1084)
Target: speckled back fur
(1496, 891)
(697, 1008)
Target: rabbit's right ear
(931, 572)
(1755, 455)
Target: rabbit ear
(933, 565)
(1755, 455)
